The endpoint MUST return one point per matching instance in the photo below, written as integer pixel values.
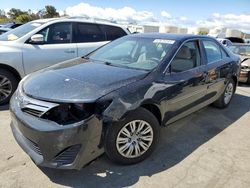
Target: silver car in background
(42, 43)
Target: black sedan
(115, 99)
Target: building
(143, 28)
(234, 33)
(150, 29)
(182, 30)
(201, 30)
(168, 29)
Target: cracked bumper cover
(244, 74)
(45, 140)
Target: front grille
(67, 156)
(35, 107)
(34, 146)
(33, 112)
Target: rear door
(88, 37)
(218, 67)
(186, 81)
(56, 48)
(112, 32)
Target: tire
(222, 102)
(8, 85)
(115, 133)
(248, 79)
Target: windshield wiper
(116, 64)
(85, 57)
(108, 63)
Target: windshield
(134, 52)
(18, 32)
(241, 49)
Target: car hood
(78, 81)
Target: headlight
(66, 114)
(244, 67)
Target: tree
(50, 12)
(203, 33)
(2, 13)
(20, 16)
(3, 17)
(14, 13)
(24, 18)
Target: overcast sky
(182, 13)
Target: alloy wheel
(5, 87)
(134, 139)
(228, 93)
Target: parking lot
(209, 148)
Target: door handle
(69, 51)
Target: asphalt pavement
(210, 148)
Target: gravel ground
(210, 148)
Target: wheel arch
(235, 79)
(155, 110)
(11, 70)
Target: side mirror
(37, 39)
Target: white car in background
(225, 42)
(4, 30)
(42, 43)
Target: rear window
(112, 32)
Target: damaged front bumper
(52, 145)
(244, 75)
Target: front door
(57, 47)
(185, 81)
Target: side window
(188, 57)
(57, 33)
(213, 51)
(112, 32)
(86, 32)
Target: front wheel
(227, 95)
(133, 139)
(8, 85)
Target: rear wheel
(133, 139)
(227, 95)
(8, 85)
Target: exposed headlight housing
(244, 67)
(66, 114)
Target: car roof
(171, 36)
(78, 19)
